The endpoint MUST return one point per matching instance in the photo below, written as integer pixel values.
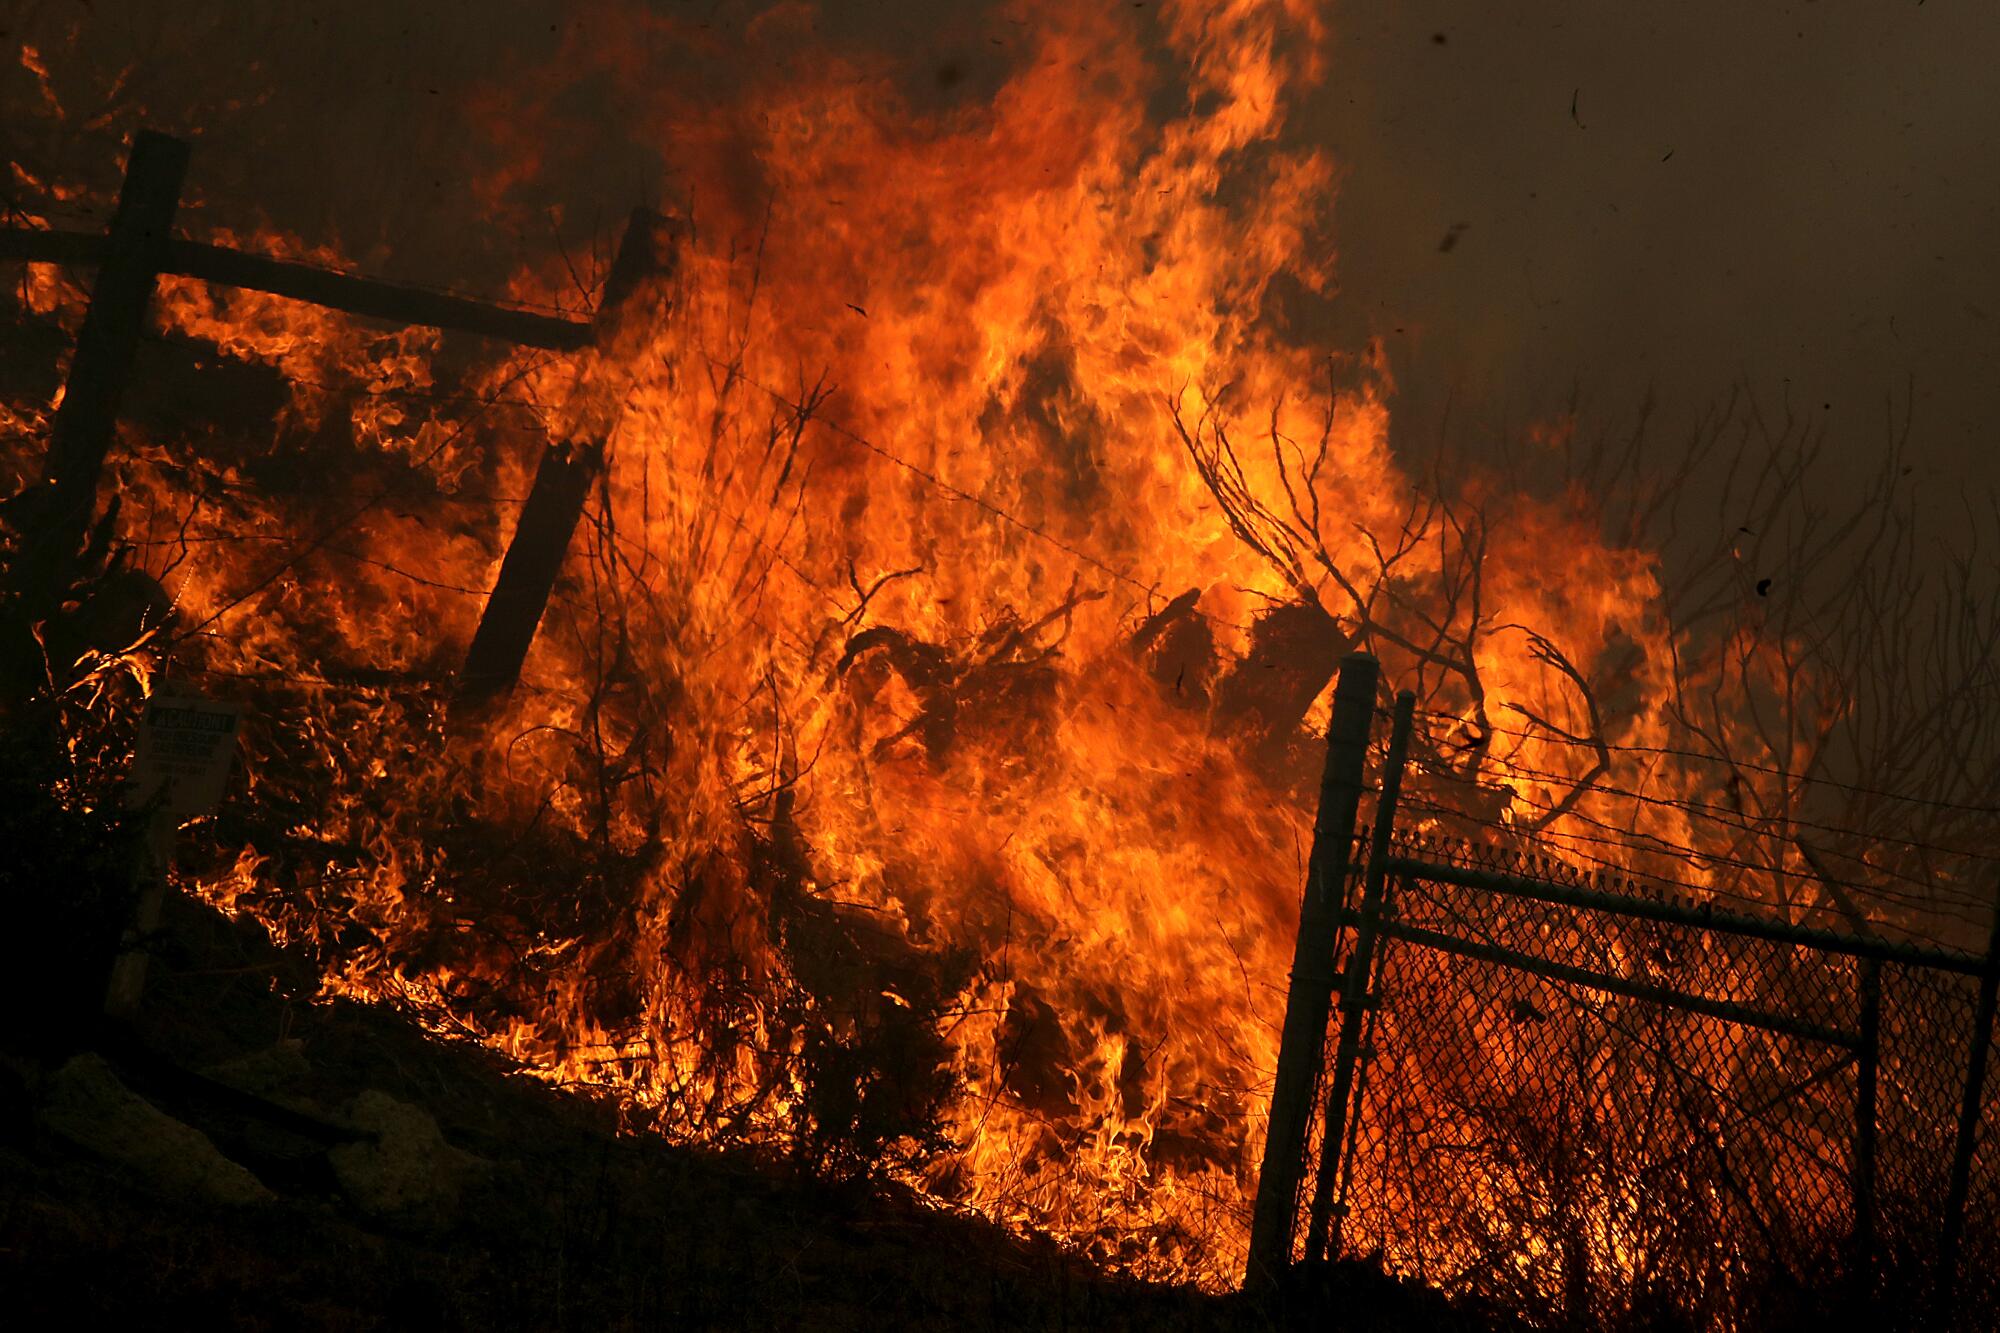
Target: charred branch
(1594, 739)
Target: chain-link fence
(1601, 1109)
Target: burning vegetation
(855, 694)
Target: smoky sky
(369, 125)
(1796, 199)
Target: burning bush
(909, 771)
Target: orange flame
(900, 471)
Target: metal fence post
(1968, 1119)
(1867, 1063)
(1323, 1237)
(1309, 1001)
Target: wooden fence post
(528, 573)
(1309, 1002)
(1323, 1237)
(1968, 1121)
(548, 520)
(135, 251)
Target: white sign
(185, 745)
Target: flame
(844, 672)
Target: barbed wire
(1714, 815)
(938, 483)
(1936, 893)
(1560, 842)
(1726, 816)
(1674, 753)
(387, 685)
(1936, 902)
(1620, 869)
(1151, 590)
(194, 342)
(1665, 847)
(327, 534)
(273, 539)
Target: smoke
(450, 142)
(1617, 201)
(1677, 199)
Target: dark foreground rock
(85, 1104)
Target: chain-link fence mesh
(1978, 1269)
(1680, 1142)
